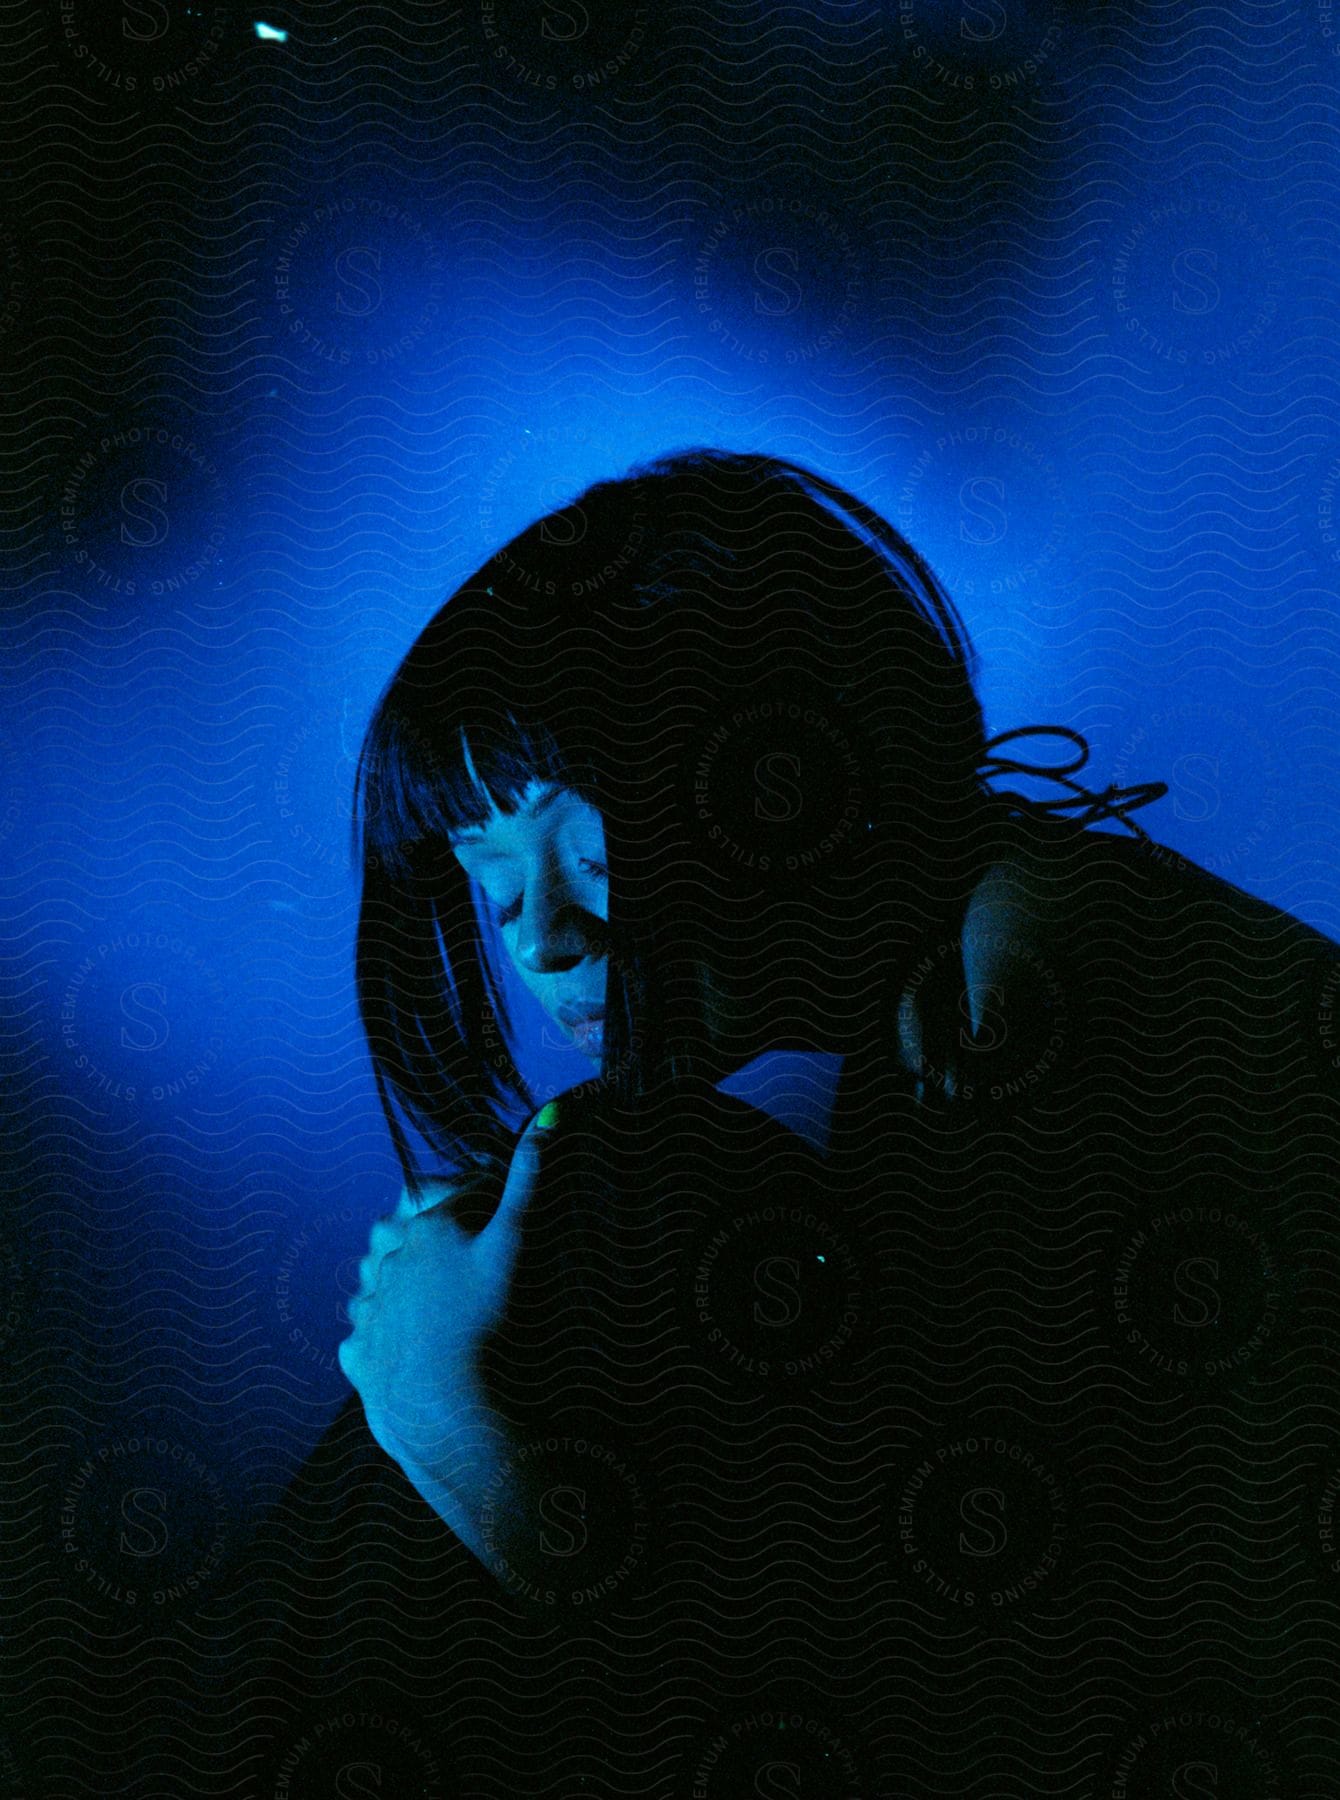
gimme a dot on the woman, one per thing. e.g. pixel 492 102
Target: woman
pixel 701 757
pixel 661 892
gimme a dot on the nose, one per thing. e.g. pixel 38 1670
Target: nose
pixel 554 931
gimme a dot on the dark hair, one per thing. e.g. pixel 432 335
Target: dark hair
pixel 609 646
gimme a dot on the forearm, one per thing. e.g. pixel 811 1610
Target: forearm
pixel 483 1485
pixel 458 1503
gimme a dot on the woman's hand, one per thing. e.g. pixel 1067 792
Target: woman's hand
pixel 432 1297
pixel 387 1233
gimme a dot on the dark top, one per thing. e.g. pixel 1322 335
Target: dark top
pixel 984 1454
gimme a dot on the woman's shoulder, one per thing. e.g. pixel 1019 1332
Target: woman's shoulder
pixel 1143 934
pixel 1074 880
pixel 694 1111
pixel 1084 960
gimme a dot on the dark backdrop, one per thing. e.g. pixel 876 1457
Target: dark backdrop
pixel 299 327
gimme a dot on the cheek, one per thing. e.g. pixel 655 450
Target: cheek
pixel 526 978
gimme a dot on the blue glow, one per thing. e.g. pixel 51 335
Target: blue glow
pixel 270 31
pixel 1167 589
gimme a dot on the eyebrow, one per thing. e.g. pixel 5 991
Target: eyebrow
pixel 470 834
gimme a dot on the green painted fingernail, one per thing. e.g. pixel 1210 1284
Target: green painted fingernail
pixel 547 1117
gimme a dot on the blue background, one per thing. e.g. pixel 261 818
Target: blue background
pixel 1057 295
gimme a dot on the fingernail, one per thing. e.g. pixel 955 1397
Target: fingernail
pixel 547 1117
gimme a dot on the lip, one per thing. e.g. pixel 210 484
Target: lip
pixel 579 1012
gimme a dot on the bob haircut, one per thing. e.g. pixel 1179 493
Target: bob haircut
pixel 617 646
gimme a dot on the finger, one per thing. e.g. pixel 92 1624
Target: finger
pixel 385 1238
pixel 434 1193
pixel 388 1233
pixel 503 1229
pixel 422 1237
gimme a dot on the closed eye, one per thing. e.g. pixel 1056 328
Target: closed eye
pixel 506 915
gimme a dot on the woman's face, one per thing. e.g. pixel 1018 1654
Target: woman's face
pixel 542 871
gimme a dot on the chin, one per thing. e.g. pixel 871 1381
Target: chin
pixel 588 1042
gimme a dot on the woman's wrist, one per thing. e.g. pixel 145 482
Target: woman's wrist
pixel 484 1486
pixel 463 1473
pixel 492 1492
